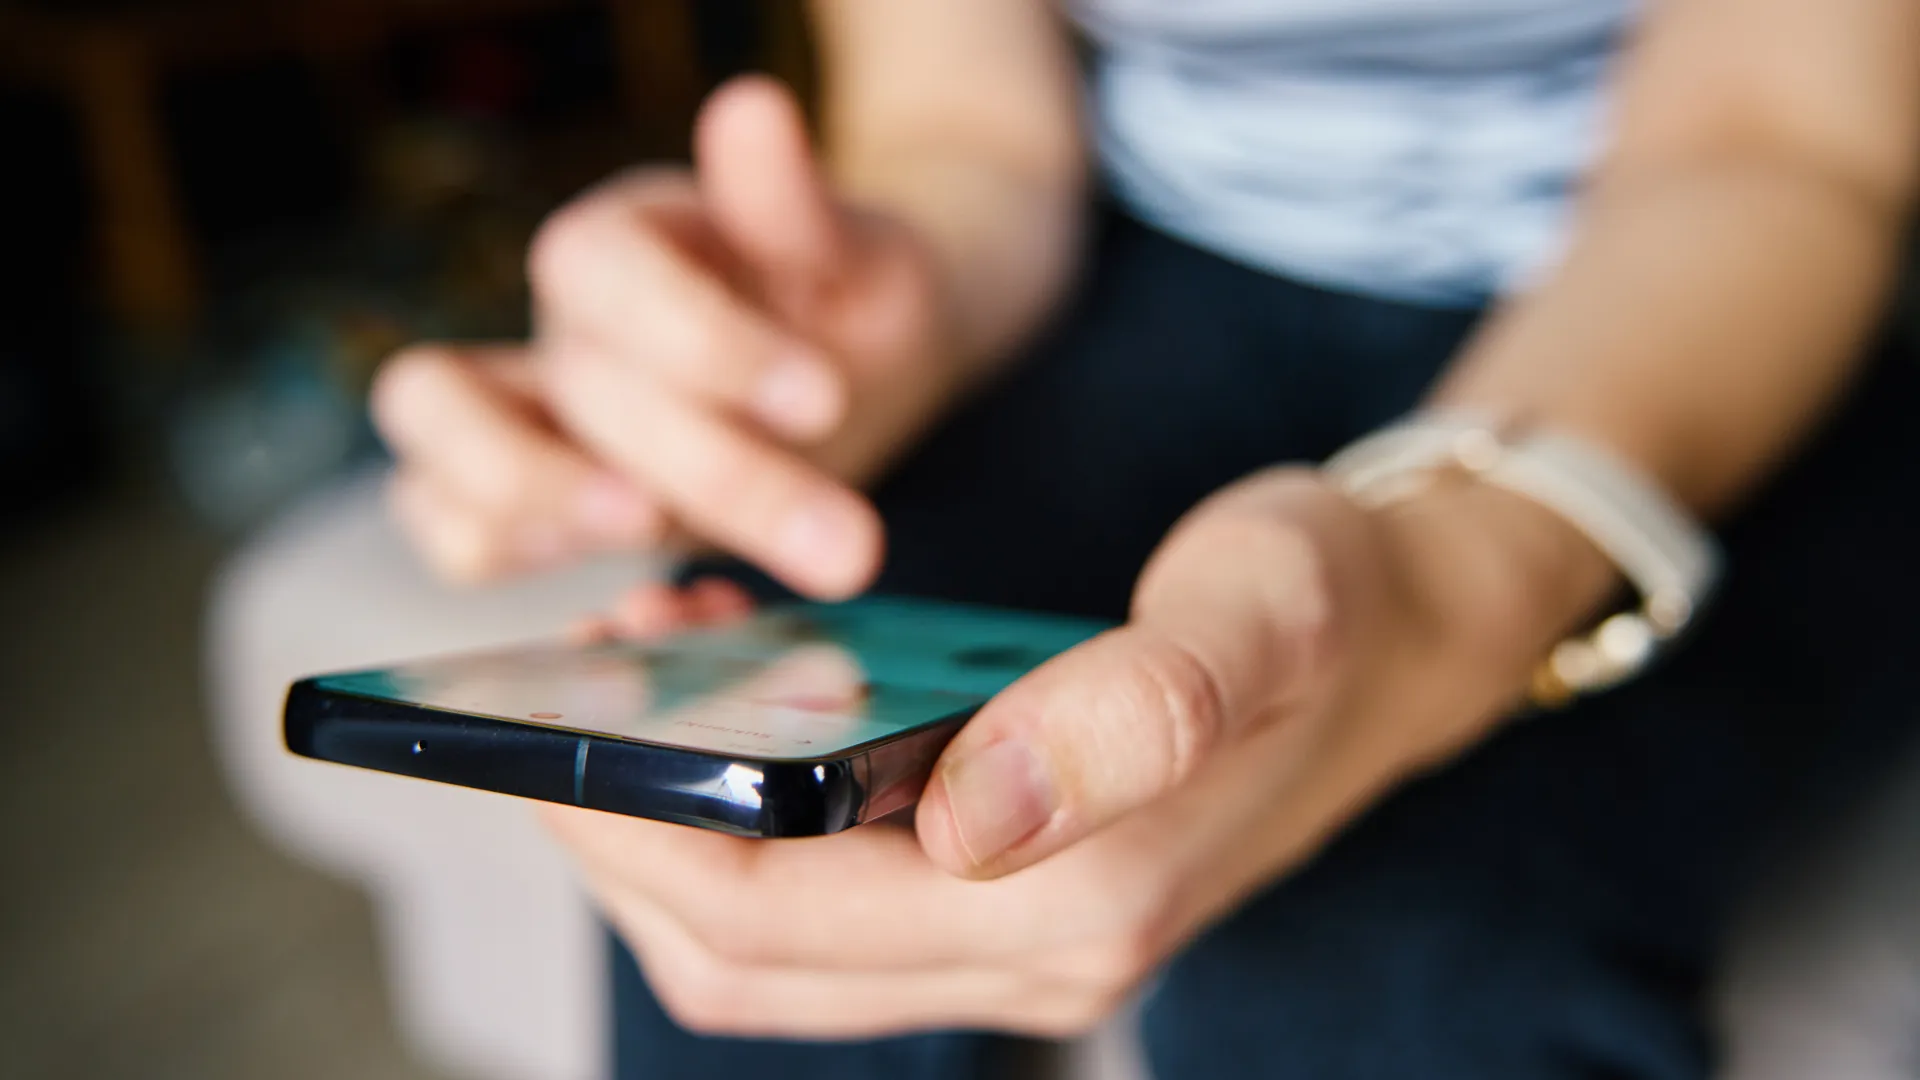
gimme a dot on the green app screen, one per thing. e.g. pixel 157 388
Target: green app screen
pixel 801 681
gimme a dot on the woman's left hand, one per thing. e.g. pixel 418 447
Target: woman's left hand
pixel 1289 658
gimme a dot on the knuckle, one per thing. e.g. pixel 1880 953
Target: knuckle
pixel 1130 957
pixel 700 340
pixel 1113 966
pixel 702 996
pixel 1290 608
pixel 676 316
pixel 720 934
pixel 1233 534
pixel 701 343
pixel 1299 586
pixel 1175 686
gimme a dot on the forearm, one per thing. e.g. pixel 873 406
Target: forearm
pixel 1007 239
pixel 960 118
pixel 1702 322
pixel 1706 316
pixel 1729 259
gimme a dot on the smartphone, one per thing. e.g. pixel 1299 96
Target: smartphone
pixel 803 720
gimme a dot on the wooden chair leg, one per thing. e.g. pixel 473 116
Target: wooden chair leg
pixel 152 283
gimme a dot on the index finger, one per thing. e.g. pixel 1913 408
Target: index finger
pixel 639 270
pixel 465 417
pixel 728 485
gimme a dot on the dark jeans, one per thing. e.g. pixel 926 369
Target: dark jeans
pixel 1549 905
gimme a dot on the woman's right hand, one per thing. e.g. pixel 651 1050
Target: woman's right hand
pixel 726 352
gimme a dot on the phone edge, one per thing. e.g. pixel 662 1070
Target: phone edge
pixel 792 798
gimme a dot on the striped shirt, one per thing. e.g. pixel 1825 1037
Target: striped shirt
pixel 1420 150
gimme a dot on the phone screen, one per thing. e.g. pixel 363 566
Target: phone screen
pixel 800 681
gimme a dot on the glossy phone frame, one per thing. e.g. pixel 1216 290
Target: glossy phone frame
pixel 745 796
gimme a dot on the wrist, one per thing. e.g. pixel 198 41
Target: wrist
pixel 1501 577
pixel 1003 242
pixel 1669 559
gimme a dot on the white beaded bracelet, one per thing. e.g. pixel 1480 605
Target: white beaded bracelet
pixel 1662 552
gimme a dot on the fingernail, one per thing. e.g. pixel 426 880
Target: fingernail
pixel 998 797
pixel 611 511
pixel 798 395
pixel 820 540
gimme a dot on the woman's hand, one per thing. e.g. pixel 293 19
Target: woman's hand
pixel 1290 657
pixel 727 351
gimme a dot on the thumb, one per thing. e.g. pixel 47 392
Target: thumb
pixel 1115 724
pixel 761 181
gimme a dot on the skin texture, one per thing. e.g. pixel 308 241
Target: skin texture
pixel 1290 657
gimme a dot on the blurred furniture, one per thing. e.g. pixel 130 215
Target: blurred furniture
pixel 493 956
pixel 111 62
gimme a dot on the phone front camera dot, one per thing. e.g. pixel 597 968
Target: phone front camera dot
pixel 420 747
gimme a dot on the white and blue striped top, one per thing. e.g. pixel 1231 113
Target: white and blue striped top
pixel 1421 150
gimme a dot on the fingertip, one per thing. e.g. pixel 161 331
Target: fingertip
pixel 754 99
pixel 649 611
pixel 402 382
pixel 757 168
pixel 716 601
pixel 833 549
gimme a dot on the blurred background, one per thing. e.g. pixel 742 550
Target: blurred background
pixel 219 215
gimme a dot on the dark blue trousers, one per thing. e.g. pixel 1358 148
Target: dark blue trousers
pixel 1550 905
